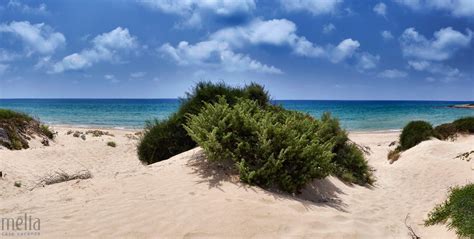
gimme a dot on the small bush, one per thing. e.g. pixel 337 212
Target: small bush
pixel 111 144
pixel 46 131
pixel 464 125
pixel 414 133
pixel 19 128
pixel 163 139
pixel 457 211
pixel 445 131
pixel 6 114
pixel 393 155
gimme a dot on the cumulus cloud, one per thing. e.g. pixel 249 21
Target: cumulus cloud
pixel 106 47
pixel 458 8
pixel 194 10
pixel 344 50
pixel 283 32
pixel 392 74
pixel 367 61
pixel 111 78
pixel 444 45
pixel 315 7
pixel 328 28
pixel 380 9
pixel 41 9
pixel 386 35
pixel 37 38
pixel 217 54
pixel 446 73
pixel 221 45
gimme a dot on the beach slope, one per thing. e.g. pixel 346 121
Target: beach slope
pixel 184 197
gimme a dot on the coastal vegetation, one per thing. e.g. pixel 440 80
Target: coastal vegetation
pixel 276 148
pixel 416 132
pixel 265 144
pixel 457 211
pixel 163 139
pixel 17 128
pixel 112 144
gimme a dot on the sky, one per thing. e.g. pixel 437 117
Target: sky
pixel 297 49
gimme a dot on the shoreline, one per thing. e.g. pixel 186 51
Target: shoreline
pixel 124 128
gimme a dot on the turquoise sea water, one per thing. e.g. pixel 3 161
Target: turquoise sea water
pixel 132 113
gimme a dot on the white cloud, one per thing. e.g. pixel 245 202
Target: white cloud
pixel 111 78
pixel 217 54
pixel 6 56
pixel 106 47
pixel 16 4
pixel 392 74
pixel 39 38
pixel 380 9
pixel 274 32
pixel 386 35
pixel 447 73
pixel 3 68
pixel 366 61
pixel 458 8
pixel 194 10
pixel 315 7
pixel 283 32
pixel 344 50
pixel 328 28
pixel 445 43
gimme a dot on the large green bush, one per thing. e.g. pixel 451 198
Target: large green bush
pixel 163 139
pixel 282 149
pixel 457 211
pixel 414 133
pixel 273 147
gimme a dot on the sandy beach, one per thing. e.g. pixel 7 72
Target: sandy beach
pixel 184 197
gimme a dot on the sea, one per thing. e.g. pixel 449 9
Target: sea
pixel 133 113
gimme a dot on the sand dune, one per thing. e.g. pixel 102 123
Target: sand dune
pixel 184 197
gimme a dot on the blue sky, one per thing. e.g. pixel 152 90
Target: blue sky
pixel 298 49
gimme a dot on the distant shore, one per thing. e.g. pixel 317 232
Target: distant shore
pixel 462 106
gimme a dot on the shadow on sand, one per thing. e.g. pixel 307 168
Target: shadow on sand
pixel 319 193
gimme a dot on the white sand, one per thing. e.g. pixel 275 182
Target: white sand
pixel 184 197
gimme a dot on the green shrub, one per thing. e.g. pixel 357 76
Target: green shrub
pixel 163 139
pixel 280 149
pixel 457 211
pixel 464 125
pixel 414 133
pixel 20 128
pixel 348 161
pixel 273 147
pixel 445 131
pixel 393 155
pixel 10 114
pixel 46 131
pixel 111 144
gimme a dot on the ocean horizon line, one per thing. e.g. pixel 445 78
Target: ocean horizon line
pixel 342 100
